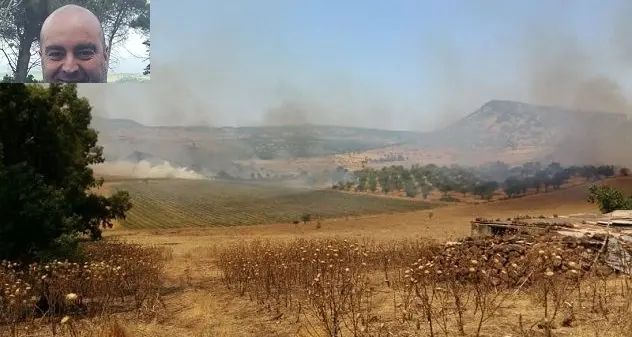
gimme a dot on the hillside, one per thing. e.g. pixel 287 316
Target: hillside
pixel 509 131
pixel 201 147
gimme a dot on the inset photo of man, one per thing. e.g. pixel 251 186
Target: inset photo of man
pixel 76 41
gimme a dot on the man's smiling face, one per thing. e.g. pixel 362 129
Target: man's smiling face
pixel 72 47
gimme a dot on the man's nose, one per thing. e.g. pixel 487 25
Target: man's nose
pixel 70 64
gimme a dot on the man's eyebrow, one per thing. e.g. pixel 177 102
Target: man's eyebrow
pixel 88 45
pixel 53 47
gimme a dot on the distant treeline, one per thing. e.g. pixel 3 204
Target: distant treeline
pixel 306 145
pixel 388 158
pixel 483 181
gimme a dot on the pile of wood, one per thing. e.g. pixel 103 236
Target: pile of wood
pixel 512 248
pixel 612 245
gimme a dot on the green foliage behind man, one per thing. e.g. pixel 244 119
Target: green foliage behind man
pixel 46 147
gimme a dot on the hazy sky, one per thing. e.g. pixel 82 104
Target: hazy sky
pixel 391 64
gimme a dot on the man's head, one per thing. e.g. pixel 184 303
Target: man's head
pixel 72 47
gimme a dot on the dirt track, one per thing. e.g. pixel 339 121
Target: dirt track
pixel 205 308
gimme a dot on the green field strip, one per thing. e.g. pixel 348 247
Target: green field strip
pixel 172 213
pixel 155 209
pixel 175 210
pixel 178 203
pixel 231 206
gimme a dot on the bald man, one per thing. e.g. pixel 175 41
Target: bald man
pixel 72 47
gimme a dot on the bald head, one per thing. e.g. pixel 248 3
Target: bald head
pixel 72 46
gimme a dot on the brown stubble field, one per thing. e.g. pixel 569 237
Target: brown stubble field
pixel 202 305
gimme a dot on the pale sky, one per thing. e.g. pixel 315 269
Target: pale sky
pixel 399 64
pixel 128 58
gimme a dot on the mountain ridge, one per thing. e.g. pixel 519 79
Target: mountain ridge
pixel 101 119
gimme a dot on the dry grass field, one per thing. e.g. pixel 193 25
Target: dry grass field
pixel 280 279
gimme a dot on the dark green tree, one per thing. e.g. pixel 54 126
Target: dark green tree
pixel 606 171
pixel 10 79
pixel 589 172
pixel 542 178
pixel 372 181
pixel 46 184
pixel 362 181
pixel 485 190
pixel 425 190
pixel 513 187
pixel 559 178
pixel 410 189
pixel 445 185
pixel 384 178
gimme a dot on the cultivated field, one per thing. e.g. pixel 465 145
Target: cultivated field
pixel 365 275
pixel 165 203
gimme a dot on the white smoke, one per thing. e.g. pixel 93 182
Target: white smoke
pixel 145 170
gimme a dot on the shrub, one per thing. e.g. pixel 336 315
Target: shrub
pixel 608 198
pixel 448 198
pixel 114 276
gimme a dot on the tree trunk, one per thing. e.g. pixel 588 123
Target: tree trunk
pixel 36 13
pixel 24 58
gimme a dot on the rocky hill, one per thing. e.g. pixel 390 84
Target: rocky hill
pixel 563 134
pixel 515 125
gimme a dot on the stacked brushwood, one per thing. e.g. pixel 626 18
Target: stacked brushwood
pixel 512 260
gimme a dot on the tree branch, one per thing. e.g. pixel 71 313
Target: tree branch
pixel 33 64
pixel 11 64
pixel 116 25
pixel 6 6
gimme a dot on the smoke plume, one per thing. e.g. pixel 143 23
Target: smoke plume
pixel 145 170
